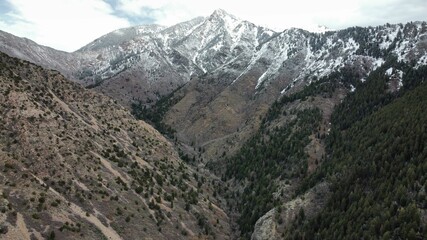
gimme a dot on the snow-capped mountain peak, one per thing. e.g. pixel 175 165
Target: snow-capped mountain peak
pixel 213 42
pixel 224 19
pixel 220 13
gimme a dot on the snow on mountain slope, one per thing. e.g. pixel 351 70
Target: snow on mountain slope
pixel 222 45
pixel 171 35
pixel 315 55
pixel 197 46
pixel 120 36
pixel 220 38
pixel 237 94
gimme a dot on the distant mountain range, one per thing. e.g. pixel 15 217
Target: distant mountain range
pixel 150 61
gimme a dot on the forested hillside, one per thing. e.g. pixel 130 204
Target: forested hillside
pixel 377 166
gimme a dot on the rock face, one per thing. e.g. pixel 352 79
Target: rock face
pixel 76 165
pixel 272 224
pixel 157 60
pixel 265 227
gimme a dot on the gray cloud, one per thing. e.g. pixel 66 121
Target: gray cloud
pixel 373 14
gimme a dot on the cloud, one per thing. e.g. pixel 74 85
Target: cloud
pixel 283 14
pixel 163 12
pixel 373 13
pixel 62 24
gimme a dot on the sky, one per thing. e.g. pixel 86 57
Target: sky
pixel 70 24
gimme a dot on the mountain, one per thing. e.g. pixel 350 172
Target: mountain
pixel 275 118
pixel 367 175
pixel 146 64
pixel 76 165
pixel 47 57
pixel 265 129
pixel 285 64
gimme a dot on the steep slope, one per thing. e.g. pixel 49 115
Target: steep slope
pixel 139 64
pixel 288 147
pixel 327 159
pixel 209 109
pixel 377 166
pixel 128 64
pixel 76 165
pixel 220 39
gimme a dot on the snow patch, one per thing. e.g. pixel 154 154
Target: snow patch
pixel 319 29
pixel 378 63
pixel 402 50
pixel 351 46
pixel 422 61
pixel 217 46
pixel 119 32
pixel 287 88
pixel 389 38
pixel 193 28
pixel 399 74
pixel 275 65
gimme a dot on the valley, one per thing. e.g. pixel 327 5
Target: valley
pixel 216 128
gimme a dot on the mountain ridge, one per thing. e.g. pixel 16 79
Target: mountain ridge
pixel 182 51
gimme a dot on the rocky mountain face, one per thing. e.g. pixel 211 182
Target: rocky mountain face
pixel 237 95
pixel 145 63
pixel 76 165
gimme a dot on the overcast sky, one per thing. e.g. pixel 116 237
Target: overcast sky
pixel 70 24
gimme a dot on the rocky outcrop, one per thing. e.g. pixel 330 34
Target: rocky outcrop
pixel 266 227
pixel 272 224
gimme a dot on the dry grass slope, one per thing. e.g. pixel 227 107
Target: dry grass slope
pixel 76 165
